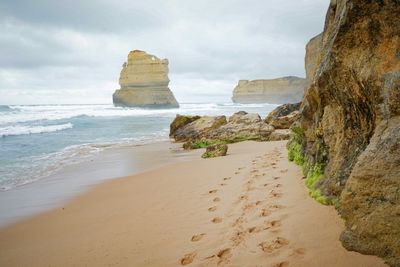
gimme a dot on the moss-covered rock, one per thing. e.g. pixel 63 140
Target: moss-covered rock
pixel 217 150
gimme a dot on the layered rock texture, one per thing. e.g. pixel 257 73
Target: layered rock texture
pixel 313 49
pixel 144 82
pixel 203 131
pixel 349 131
pixel 276 91
pixel 284 116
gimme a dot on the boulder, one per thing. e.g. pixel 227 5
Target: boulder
pixel 179 122
pixel 283 116
pixel 199 128
pixel 144 83
pixel 213 151
pixel 243 126
pixel 275 91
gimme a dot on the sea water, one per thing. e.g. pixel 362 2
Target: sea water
pixel 38 140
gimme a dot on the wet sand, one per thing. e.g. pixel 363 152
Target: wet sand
pixel 250 208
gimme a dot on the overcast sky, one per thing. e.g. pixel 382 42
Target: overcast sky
pixel 59 51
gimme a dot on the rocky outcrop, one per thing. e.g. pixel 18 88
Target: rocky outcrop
pixel 243 126
pixel 284 116
pixel 200 128
pixel 348 135
pixel 240 126
pixel 276 91
pixel 180 121
pixel 144 83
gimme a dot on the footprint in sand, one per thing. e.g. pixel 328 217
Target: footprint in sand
pixel 276 177
pixel 217 199
pixel 216 220
pixel 188 258
pixel 273 245
pixel 213 191
pixel 248 207
pixel 265 213
pixel 278 185
pixel 227 178
pixel 281 264
pixel 238 238
pixel 284 171
pixel 276 206
pixel 272 224
pixel 255 229
pixel 239 221
pixel 275 194
pixel 212 209
pixel 196 238
pixel 223 184
pixel 224 255
pixel 299 252
pixel 244 197
pixel 237 172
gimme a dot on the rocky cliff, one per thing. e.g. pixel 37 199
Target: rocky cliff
pixel 144 82
pixel 277 91
pixel 313 49
pixel 348 139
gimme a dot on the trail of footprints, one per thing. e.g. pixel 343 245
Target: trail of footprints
pixel 258 179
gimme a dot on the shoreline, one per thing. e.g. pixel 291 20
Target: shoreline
pixel 64 184
pixel 249 208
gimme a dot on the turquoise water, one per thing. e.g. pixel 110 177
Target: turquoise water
pixel 37 140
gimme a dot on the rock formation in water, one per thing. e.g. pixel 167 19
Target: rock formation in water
pixel 276 91
pixel 144 82
pixel 349 132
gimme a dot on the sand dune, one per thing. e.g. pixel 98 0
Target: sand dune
pixel 249 208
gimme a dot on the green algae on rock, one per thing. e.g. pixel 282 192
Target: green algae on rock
pixel 217 150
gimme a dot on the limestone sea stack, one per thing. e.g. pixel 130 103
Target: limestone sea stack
pixel 144 83
pixel 275 91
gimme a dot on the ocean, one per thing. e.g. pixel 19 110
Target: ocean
pixel 38 140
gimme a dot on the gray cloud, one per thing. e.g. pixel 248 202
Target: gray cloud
pixel 80 45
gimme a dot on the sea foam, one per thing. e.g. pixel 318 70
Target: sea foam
pixel 21 130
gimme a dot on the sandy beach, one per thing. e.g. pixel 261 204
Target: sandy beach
pixel 250 208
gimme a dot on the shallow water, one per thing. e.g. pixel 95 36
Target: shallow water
pixel 38 140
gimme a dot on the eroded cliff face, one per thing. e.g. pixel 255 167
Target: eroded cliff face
pixel 144 82
pixel 349 128
pixel 275 91
pixel 313 49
